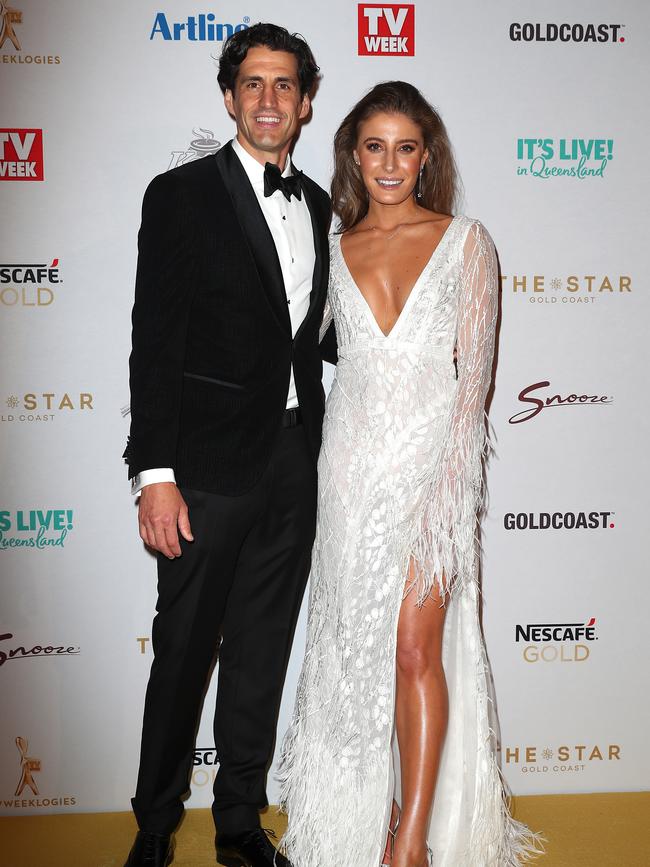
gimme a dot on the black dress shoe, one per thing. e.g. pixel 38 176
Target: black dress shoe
pixel 250 849
pixel 150 850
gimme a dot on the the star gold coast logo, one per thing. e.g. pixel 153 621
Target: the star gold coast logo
pixel 563 759
pixel 10 18
pixel 567 289
pixel 28 794
pixel 45 406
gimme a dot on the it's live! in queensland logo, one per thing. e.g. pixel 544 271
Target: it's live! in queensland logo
pixel 35 528
pixel 578 158
pixel 21 155
pixel 386 30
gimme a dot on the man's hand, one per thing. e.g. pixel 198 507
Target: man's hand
pixel 161 513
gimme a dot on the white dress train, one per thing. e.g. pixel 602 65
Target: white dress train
pixel 400 481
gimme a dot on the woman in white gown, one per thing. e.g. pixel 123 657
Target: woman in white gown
pixel 394 643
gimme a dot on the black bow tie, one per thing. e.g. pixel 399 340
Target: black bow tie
pixel 288 186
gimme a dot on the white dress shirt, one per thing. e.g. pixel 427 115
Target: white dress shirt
pixel 291 229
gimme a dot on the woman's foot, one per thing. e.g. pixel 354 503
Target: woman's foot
pixel 409 852
pixel 387 858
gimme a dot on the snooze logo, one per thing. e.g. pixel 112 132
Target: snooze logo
pixel 535 404
pixel 386 30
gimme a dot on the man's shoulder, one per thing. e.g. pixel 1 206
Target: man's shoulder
pixel 316 190
pixel 183 181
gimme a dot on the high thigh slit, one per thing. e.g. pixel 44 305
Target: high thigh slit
pixel 400 481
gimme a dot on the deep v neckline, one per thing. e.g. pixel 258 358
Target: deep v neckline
pixel 407 304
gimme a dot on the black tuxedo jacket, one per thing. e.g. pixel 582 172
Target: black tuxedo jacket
pixel 212 344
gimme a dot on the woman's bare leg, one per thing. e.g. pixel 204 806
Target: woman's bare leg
pixel 421 712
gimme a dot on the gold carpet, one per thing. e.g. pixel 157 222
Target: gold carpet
pixel 605 830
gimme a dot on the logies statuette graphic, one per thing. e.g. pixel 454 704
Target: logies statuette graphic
pixel 9 17
pixel 28 767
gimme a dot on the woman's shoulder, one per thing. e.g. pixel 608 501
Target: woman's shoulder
pixel 470 227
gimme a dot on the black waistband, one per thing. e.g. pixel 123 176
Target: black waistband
pixel 292 417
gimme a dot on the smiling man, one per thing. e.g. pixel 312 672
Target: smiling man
pixel 226 416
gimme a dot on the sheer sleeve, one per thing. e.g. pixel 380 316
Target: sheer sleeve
pixel 327 321
pixel 444 550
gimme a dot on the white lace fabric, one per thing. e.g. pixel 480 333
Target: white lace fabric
pixel 400 481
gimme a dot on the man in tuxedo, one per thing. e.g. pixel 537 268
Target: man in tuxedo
pixel 226 415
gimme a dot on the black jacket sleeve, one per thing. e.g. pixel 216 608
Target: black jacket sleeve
pixel 164 288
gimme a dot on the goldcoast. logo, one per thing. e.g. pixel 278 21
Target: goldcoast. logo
pixel 535 404
pixel 35 528
pixel 563 759
pixel 558 521
pixel 27 284
pixel 595 33
pixel 28 767
pixel 579 158
pixel 556 642
pixel 574 289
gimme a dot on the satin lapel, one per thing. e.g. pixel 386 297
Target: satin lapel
pixel 256 232
pixel 317 279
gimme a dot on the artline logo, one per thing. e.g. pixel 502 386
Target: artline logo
pixel 558 521
pixel 202 145
pixel 8 18
pixel 35 528
pixel 535 404
pixel 386 30
pixel 564 759
pixel 599 33
pixel 197 28
pixel 27 284
pixel 28 767
pixel 38 650
pixel 21 154
pixel 574 289
pixel 38 406
pixel 568 157
pixel 556 642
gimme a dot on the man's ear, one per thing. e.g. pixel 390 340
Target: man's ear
pixel 304 108
pixel 229 102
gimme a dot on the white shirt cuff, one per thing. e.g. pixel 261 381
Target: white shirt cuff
pixel 151 477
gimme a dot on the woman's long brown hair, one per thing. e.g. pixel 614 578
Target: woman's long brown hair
pixel 439 178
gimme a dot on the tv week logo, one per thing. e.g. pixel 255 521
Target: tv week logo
pixel 386 30
pixel 21 154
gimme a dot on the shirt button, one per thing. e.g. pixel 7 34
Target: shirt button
pixel 283 217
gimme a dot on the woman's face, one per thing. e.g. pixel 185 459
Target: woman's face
pixel 390 151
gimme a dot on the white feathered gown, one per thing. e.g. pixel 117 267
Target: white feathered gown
pixel 400 475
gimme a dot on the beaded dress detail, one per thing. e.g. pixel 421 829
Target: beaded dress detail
pixel 400 483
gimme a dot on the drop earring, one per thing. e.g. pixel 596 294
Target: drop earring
pixel 418 193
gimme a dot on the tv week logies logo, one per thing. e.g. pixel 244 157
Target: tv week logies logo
pixel 10 18
pixel 386 30
pixel 21 154
pixel 28 792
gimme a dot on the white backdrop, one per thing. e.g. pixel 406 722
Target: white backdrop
pixel 118 103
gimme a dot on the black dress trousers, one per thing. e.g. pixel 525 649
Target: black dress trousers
pixel 241 583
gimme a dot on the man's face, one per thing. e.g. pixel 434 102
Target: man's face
pixel 266 103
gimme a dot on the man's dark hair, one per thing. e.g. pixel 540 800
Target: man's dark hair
pixel 270 36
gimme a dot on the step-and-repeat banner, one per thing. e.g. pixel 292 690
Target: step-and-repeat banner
pixel 546 108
